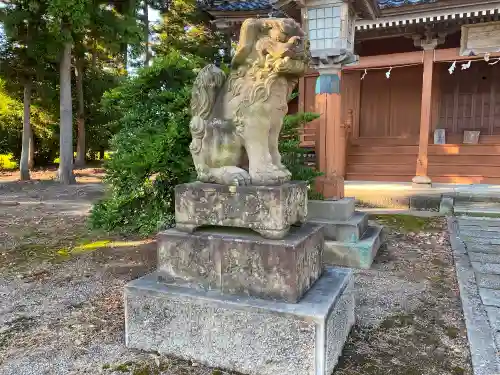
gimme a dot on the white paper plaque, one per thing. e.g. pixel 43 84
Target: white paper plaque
pixel 439 136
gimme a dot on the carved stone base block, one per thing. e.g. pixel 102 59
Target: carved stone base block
pixel 239 261
pixel 248 335
pixel 268 210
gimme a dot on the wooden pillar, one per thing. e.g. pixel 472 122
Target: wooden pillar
pixel 421 178
pixel 329 132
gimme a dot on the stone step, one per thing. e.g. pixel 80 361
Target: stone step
pixel 485 228
pixel 485 280
pixel 478 248
pixel 485 209
pixel 358 254
pixel 351 230
pixel 487 268
pixel 340 210
pixel 490 297
pixel 484 257
pixel 472 240
pixel 480 233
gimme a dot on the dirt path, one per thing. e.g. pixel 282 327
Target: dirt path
pixel 61 289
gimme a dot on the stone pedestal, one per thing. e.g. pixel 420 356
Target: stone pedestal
pixel 349 240
pixel 268 210
pixel 248 335
pixel 242 262
pixel 225 296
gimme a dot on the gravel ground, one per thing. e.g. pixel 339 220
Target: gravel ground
pixel 61 291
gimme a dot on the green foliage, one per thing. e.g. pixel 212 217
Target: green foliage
pixel 293 156
pixel 43 125
pixel 186 28
pixel 151 148
pixel 7 162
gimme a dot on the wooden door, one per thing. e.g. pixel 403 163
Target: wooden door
pixel 391 107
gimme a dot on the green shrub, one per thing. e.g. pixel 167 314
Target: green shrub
pixel 151 149
pixel 7 162
pixel 293 156
pixel 45 130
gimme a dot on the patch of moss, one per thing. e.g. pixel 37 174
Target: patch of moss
pixel 402 320
pixel 407 223
pixel 123 367
pixel 458 370
pixel 216 372
pixel 452 332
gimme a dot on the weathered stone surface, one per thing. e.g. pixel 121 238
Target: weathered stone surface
pixel 358 254
pixel 446 205
pixel 340 210
pixel 269 210
pixel 270 57
pixel 248 335
pixel 339 230
pixel 241 262
pixel 480 332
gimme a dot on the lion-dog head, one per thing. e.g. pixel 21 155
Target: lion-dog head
pixel 273 45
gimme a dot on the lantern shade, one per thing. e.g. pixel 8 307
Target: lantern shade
pixel 330 29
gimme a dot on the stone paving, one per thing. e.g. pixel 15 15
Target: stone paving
pixel 476 248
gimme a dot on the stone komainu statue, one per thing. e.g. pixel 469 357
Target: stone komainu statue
pixel 239 117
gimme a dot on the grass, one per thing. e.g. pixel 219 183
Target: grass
pixel 7 162
pixel 407 223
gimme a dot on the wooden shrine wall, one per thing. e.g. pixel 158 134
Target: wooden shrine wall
pixel 469 100
pixel 465 100
pixel 391 107
pixel 350 86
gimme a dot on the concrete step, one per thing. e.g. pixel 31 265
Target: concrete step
pixel 351 230
pixel 479 241
pixel 484 209
pixel 490 281
pixel 487 249
pixel 484 257
pixel 471 233
pixel 340 210
pixel 355 254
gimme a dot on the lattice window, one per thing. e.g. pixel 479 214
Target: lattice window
pixel 324 27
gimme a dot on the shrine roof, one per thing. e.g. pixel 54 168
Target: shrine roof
pixel 241 5
pixel 384 4
pixel 249 5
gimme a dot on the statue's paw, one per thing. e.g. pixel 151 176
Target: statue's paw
pixel 272 176
pixel 285 171
pixel 234 176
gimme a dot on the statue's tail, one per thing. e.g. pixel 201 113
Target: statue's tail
pixel 206 86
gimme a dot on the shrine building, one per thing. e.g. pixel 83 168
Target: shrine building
pixel 420 104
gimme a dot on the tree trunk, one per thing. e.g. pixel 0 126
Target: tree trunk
pixel 65 173
pixel 25 151
pixel 31 159
pixel 81 149
pixel 146 32
pixel 101 154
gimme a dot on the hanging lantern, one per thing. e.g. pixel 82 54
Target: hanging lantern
pixel 330 28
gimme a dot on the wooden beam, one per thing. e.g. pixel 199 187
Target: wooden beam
pixel 328 105
pixel 425 119
pixel 453 54
pixel 381 61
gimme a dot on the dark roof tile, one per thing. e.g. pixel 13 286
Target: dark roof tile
pixel 383 4
pixel 242 5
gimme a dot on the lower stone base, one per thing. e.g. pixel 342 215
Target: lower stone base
pixel 354 254
pixel 248 335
